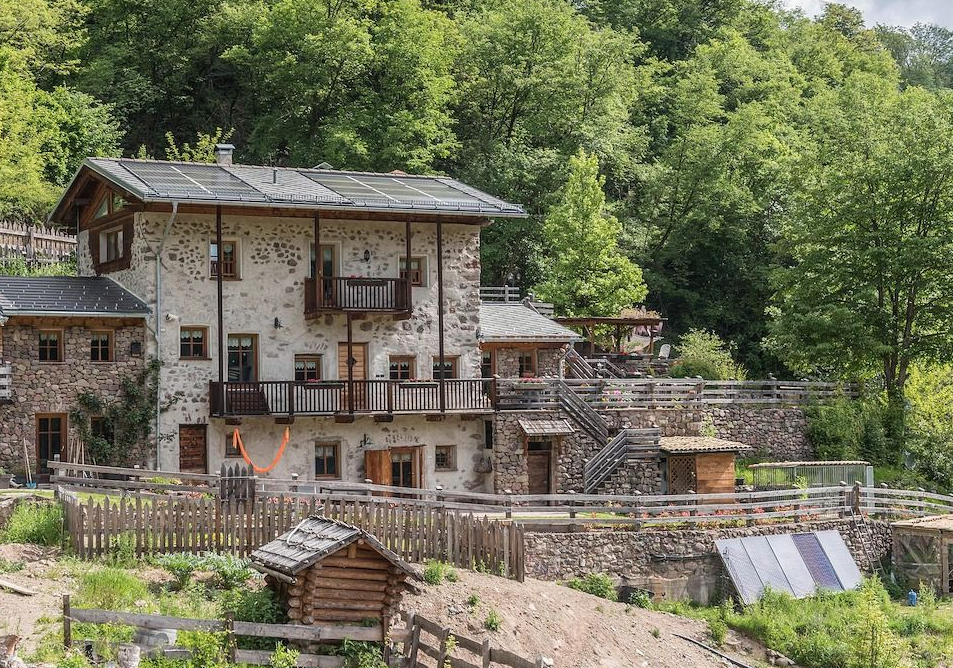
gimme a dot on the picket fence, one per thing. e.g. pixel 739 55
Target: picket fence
pixel 154 524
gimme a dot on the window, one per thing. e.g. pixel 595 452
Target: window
pixel 242 358
pixel 449 367
pixel 415 272
pixel 51 345
pixel 487 364
pixel 488 434
pixel 193 343
pixel 99 428
pixel 110 244
pixel 402 468
pixel 228 260
pixel 402 367
pixel 100 347
pixel 231 447
pixel 326 456
pixel 307 368
pixel 445 458
pixel 327 261
pixel 527 363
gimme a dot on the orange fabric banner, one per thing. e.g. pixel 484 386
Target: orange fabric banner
pixel 237 443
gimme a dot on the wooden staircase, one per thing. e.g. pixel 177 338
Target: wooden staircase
pixel 582 413
pixel 629 445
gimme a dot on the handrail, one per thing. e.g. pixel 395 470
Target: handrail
pixel 608 460
pixel 582 413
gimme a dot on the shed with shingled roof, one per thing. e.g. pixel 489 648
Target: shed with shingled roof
pixel 325 571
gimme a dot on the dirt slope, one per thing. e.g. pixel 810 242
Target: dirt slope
pixel 576 630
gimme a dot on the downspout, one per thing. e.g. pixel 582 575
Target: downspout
pixel 158 318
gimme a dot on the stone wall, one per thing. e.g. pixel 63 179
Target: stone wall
pixel 52 387
pixel 670 563
pixel 549 361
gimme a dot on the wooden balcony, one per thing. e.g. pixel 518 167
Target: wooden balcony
pixel 338 294
pixel 6 383
pixel 285 398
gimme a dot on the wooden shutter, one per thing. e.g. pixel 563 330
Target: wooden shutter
pixel 377 466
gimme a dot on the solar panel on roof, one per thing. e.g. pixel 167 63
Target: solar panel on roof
pixel 204 181
pixel 396 191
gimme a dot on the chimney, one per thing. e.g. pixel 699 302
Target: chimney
pixel 223 153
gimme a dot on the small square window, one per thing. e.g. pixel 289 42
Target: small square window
pixel 231 448
pixel 100 347
pixel 229 260
pixel 50 346
pixel 449 368
pixel 445 458
pixel 402 367
pixel 110 244
pixel 326 457
pixel 307 368
pixel 193 342
pixel 413 270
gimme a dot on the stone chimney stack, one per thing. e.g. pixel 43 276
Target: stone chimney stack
pixel 223 153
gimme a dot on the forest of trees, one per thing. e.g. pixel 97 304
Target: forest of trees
pixel 781 180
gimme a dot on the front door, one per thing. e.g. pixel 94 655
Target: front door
pixel 50 441
pixel 539 459
pixel 358 362
pixel 193 448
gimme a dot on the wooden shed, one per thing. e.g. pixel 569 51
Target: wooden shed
pixel 701 464
pixel 922 553
pixel 329 572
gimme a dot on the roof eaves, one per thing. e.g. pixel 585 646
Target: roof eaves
pixel 76 314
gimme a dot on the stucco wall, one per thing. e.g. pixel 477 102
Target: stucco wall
pixel 52 387
pixel 275 260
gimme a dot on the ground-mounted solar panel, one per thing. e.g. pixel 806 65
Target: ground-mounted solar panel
pixel 799 578
pixel 817 562
pixel 840 557
pixel 740 568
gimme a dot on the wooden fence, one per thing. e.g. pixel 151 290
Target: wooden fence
pixel 154 524
pixel 35 244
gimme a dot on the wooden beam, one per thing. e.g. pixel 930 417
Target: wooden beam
pixel 220 299
pixel 440 341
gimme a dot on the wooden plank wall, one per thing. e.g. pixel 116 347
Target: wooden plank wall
pixel 153 524
pixel 715 472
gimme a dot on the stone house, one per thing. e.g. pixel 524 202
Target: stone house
pixel 516 341
pixel 61 336
pixel 342 306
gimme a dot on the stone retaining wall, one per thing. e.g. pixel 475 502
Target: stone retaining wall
pixel 671 563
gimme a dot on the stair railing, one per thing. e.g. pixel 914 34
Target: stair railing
pixel 584 414
pixel 628 444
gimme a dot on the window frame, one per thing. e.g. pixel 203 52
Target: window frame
pixel 418 281
pixel 99 429
pixel 236 273
pixel 255 350
pixel 336 446
pixel 205 347
pixel 60 356
pixel 305 358
pixel 110 345
pixel 411 361
pixel 452 360
pixel 114 233
pixel 530 353
pixel 451 464
pixel 231 452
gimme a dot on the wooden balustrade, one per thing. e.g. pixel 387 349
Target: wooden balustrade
pixel 6 382
pixel 357 294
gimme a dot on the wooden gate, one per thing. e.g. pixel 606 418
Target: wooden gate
pixel 681 474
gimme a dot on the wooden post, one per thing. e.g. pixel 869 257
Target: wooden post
pixel 410 289
pixel 855 502
pixel 442 656
pixel 440 340
pixel 67 623
pixel 485 653
pixel 230 645
pixel 350 365
pixel 221 299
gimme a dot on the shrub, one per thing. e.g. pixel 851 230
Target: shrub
pixel 230 571
pixel 362 654
pixel 7 566
pixel 473 601
pixel 73 659
pixel 248 605
pixel 284 657
pixel 717 630
pixel 640 599
pixel 208 649
pixel 179 565
pixel 493 621
pixel 597 584
pixel 122 550
pixel 705 354
pixel 849 429
pixel 36 523
pixel 110 589
pixel 435 572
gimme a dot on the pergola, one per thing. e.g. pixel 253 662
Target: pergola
pixel 622 325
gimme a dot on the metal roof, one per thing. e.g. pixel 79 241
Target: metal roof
pixel 691 444
pixel 67 295
pixel 797 564
pixel 312 540
pixel 546 427
pixel 516 322
pixel 794 465
pixel 253 185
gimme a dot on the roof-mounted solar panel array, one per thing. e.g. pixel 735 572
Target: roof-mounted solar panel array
pixel 796 564
pixel 153 180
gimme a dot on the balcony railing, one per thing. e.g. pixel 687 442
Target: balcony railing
pixel 6 383
pixel 331 397
pixel 338 293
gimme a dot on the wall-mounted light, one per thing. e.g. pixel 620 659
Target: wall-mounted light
pixel 366 441
pixel 278 324
pixel 367 256
pixel 171 317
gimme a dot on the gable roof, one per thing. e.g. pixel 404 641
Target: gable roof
pixel 692 444
pixel 516 322
pixel 312 540
pixel 67 295
pixel 290 187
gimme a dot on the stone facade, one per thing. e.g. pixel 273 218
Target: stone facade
pixel 43 388
pixel 549 360
pixel 670 563
pixel 274 261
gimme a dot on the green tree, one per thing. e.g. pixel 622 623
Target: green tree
pixel 868 287
pixel 586 274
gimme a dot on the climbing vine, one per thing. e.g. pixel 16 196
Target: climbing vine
pixel 125 423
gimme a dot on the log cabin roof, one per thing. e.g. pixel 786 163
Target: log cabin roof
pixel 312 540
pixel 163 181
pixel 67 296
pixel 678 445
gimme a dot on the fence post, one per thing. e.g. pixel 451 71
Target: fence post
pixel 67 623
pixel 572 505
pixel 845 499
pixel 485 653
pixel 230 645
pixel 442 656
pixel 856 500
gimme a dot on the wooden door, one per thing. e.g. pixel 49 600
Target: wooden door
pixel 715 473
pixel 50 442
pixel 539 469
pixel 377 467
pixel 193 448
pixel 359 364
